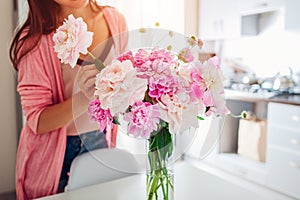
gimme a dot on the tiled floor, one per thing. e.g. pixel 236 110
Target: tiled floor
pixel 8 196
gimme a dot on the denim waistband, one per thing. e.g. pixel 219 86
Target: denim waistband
pixel 87 141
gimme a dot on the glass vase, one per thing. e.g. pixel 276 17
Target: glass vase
pixel 160 175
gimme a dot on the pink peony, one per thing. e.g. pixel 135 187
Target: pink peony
pixel 162 85
pixel 162 55
pixel 160 67
pixel 126 56
pixel 207 85
pixel 99 115
pixel 157 62
pixel 214 95
pixel 71 39
pixel 179 111
pixel 198 86
pixel 117 87
pixel 145 71
pixel 143 119
pixel 140 57
pixel 153 69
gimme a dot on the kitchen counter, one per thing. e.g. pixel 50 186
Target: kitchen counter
pixel 262 97
pixel 287 99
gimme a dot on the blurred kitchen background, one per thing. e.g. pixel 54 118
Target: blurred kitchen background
pixel 258 42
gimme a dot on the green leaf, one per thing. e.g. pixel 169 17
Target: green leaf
pixel 147 98
pixel 200 118
pixel 161 143
pixel 116 120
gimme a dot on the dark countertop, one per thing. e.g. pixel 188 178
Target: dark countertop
pixel 291 99
pixel 286 98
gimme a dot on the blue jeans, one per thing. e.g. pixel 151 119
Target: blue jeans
pixel 77 145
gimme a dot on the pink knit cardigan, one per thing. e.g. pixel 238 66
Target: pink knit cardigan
pixel 40 156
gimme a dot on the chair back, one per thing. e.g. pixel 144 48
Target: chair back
pixel 100 166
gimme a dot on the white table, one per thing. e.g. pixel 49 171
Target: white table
pixel 191 183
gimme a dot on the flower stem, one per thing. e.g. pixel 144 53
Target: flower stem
pixel 90 54
pixel 153 188
pixel 98 63
pixel 158 179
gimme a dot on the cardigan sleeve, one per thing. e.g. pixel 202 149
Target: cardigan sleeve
pixel 34 87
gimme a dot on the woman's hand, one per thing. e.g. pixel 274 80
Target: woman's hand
pixel 86 80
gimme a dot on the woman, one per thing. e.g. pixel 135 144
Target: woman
pixel 49 140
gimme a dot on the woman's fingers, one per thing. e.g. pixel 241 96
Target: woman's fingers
pixel 86 80
pixel 87 72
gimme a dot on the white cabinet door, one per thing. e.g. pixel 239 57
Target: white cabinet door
pixel 292 15
pixel 246 5
pixel 283 115
pixel 260 15
pixel 283 149
pixel 284 138
pixel 284 171
pixel 256 6
pixel 218 19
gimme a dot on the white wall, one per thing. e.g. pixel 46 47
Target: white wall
pixel 8 122
pixel 268 53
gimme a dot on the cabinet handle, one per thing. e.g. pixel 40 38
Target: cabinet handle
pixel 295 142
pixel 294 165
pixel 296 118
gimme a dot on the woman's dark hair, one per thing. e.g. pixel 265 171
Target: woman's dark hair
pixel 42 19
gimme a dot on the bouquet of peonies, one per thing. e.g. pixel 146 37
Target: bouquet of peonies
pixel 158 93
pixel 155 87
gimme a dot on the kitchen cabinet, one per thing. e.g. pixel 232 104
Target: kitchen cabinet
pixel 218 19
pixel 258 16
pixel 246 7
pixel 292 15
pixel 283 148
pixel 281 170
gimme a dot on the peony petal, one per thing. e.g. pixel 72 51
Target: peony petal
pixel 208 99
